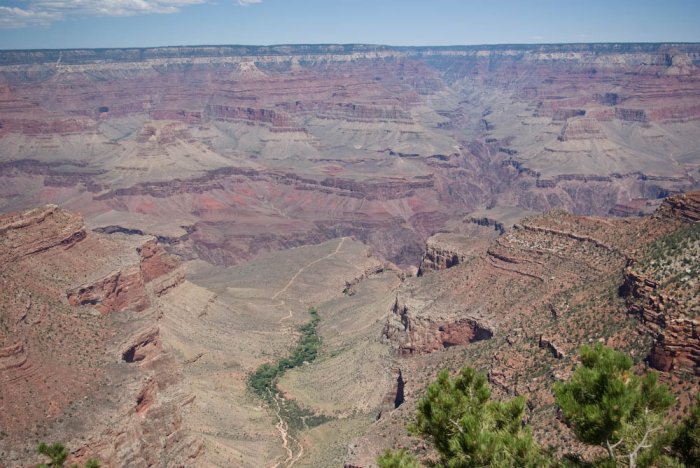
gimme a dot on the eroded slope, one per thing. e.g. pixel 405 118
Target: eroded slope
pixel 203 146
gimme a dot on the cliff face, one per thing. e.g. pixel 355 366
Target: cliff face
pixel 58 377
pixel 38 230
pixel 519 310
pixel 440 255
pixel 126 289
pixel 684 206
pixel 411 333
pixel 116 292
pixel 314 142
pixel 662 288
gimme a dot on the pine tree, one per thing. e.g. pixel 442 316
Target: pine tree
pixel 686 444
pixel 56 452
pixel 399 459
pixel 607 405
pixel 468 429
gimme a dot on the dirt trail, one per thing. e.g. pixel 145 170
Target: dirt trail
pixel 287 439
pixel 283 429
pixel 290 314
pixel 301 270
pixel 282 425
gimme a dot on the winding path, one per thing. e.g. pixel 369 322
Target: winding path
pixel 282 425
pixel 293 278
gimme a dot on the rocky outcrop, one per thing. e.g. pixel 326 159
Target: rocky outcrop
pixel 653 294
pixel 644 299
pixel 154 261
pixel 550 345
pixel 146 397
pixel 370 272
pixel 443 251
pixel 154 427
pixel 127 289
pixel 685 207
pixel 636 207
pixel 438 258
pixel 395 397
pixel 677 345
pixel 34 231
pixel 116 292
pixel 410 333
pixel 143 348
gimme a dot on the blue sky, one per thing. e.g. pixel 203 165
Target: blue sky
pixel 132 23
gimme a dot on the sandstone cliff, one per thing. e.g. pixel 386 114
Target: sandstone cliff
pixel 662 287
pixel 59 372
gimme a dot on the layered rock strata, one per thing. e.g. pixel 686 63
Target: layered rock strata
pixel 64 361
pixel 314 142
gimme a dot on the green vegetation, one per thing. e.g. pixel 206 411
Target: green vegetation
pixel 468 429
pixel 263 380
pixel 674 259
pixel 399 459
pixel 686 440
pixel 604 403
pixel 58 454
pixel 607 405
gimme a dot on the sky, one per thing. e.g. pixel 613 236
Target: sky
pixel 27 24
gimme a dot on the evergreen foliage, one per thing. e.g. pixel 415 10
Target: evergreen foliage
pixel 56 452
pixel 399 459
pixel 604 402
pixel 468 429
pixel 686 444
pixel 607 405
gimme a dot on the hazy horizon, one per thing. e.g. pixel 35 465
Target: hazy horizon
pixel 391 46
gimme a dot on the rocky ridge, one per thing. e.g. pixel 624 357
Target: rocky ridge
pixel 60 347
pixel 520 309
pixel 662 288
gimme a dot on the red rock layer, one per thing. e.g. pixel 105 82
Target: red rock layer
pixel 58 378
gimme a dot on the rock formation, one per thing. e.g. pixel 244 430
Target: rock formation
pixel 58 377
pixel 295 176
pixel 315 142
pixel 519 309
pixel 662 288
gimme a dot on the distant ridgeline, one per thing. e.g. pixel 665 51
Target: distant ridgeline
pixel 516 51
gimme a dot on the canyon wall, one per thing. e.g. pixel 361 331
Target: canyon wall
pixel 202 146
pixel 76 364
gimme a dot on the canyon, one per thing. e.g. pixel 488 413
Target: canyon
pixel 200 146
pixel 169 215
